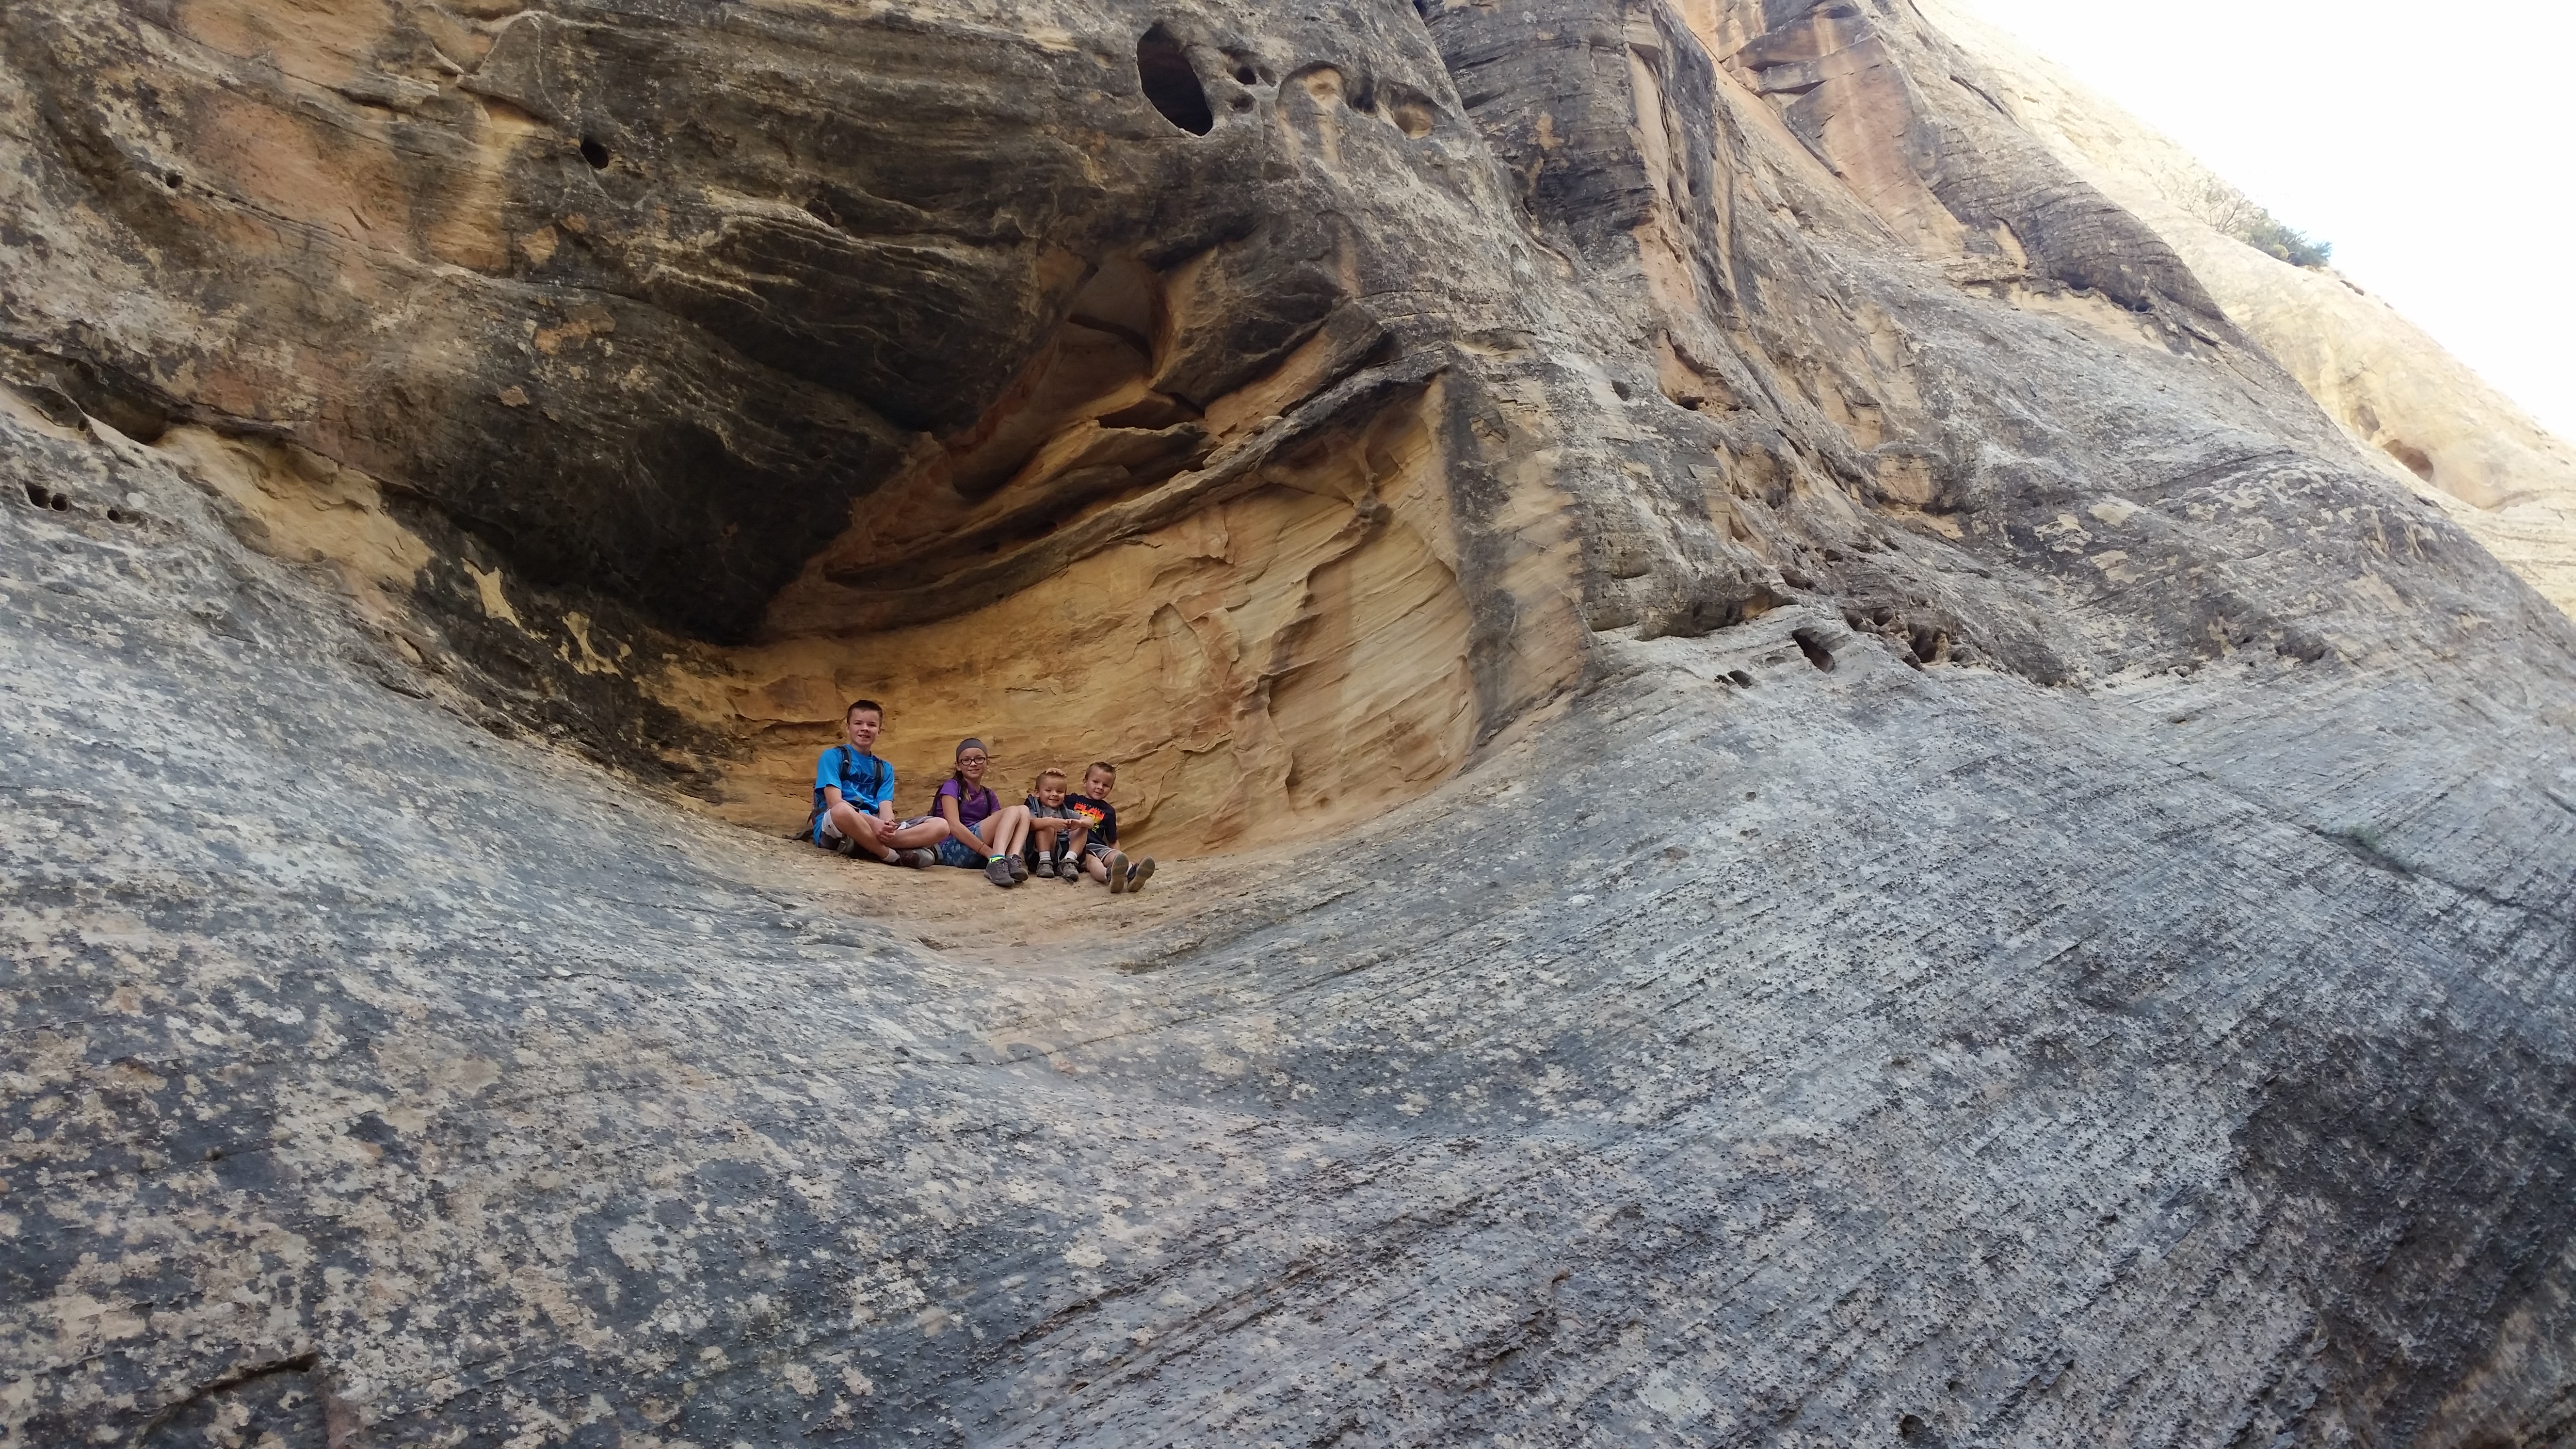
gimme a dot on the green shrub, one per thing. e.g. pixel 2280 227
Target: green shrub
pixel 2231 211
pixel 2267 235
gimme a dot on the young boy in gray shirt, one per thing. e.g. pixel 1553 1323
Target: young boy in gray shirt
pixel 1051 829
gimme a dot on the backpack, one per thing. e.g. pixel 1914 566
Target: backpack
pixel 876 782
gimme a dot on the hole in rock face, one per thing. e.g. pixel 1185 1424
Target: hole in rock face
pixel 594 153
pixel 1245 75
pixel 61 503
pixel 1171 83
pixel 116 515
pixel 1423 9
pixel 1745 680
pixel 1815 650
pixel 36 495
pixel 170 179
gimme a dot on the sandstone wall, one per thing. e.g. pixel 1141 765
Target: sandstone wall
pixel 687 339
pixel 2393 389
pixel 708 401
pixel 1861 823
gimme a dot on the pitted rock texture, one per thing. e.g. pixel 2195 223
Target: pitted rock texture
pixel 1864 826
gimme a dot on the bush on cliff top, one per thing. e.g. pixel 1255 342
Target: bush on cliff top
pixel 2231 211
pixel 2268 236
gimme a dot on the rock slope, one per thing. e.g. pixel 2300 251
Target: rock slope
pixel 1869 827
pixel 2507 480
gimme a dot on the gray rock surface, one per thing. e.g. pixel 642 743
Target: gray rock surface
pixel 2013 890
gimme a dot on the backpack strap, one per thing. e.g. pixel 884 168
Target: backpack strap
pixel 814 817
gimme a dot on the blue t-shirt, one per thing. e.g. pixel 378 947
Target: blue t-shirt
pixel 864 780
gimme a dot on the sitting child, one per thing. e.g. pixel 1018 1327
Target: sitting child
pixel 1095 840
pixel 981 830
pixel 1051 827
pixel 854 797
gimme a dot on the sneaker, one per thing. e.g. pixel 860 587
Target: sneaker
pixel 1138 874
pixel 998 871
pixel 918 858
pixel 1019 868
pixel 1117 864
pixel 1069 870
pixel 1046 867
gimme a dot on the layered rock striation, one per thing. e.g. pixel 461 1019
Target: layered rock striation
pixel 1864 824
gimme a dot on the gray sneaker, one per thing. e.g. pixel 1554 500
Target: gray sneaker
pixel 998 871
pixel 1019 868
pixel 1117 863
pixel 1046 867
pixel 917 858
pixel 1139 873
pixel 1069 869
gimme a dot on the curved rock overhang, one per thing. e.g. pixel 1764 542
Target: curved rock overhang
pixel 721 368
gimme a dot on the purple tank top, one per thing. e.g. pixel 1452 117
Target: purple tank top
pixel 973 806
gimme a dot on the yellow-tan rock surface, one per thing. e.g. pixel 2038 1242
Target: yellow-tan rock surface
pixel 1277 664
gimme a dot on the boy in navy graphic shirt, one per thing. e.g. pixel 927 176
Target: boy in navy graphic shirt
pixel 1095 835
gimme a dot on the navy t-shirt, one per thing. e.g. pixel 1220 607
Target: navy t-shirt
pixel 1106 814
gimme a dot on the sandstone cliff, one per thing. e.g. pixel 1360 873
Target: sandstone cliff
pixel 2503 477
pixel 1860 822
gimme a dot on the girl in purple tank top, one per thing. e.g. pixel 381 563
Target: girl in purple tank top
pixel 982 831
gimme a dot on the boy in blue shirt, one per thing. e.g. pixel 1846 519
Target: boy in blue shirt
pixel 854 798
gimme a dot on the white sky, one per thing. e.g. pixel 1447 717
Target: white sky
pixel 2434 146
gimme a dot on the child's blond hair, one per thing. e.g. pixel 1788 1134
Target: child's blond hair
pixel 1049 773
